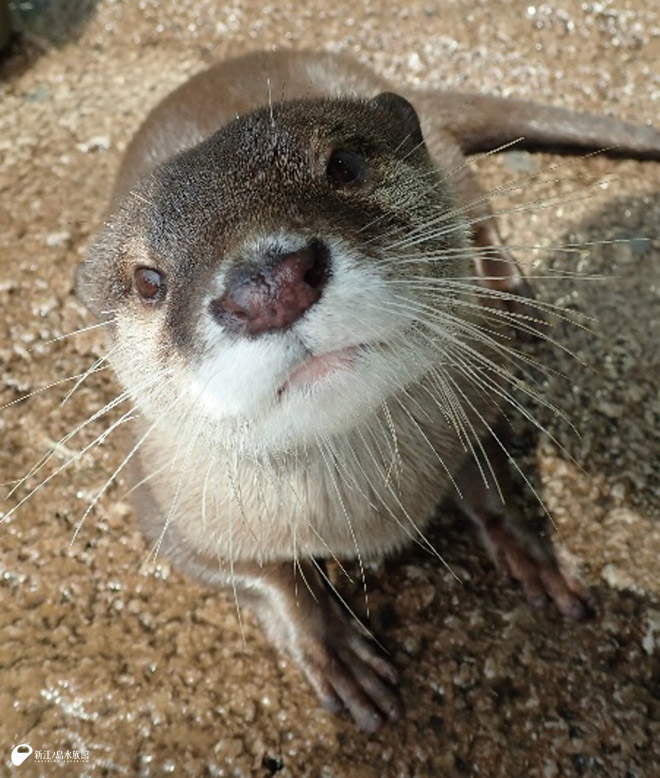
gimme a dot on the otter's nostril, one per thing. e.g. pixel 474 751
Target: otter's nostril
pixel 318 272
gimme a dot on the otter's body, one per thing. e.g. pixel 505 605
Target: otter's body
pixel 309 304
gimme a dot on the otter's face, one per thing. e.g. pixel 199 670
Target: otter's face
pixel 266 283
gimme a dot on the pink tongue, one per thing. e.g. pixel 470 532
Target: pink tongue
pixel 316 367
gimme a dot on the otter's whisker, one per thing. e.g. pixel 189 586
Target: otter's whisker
pixel 62 442
pixel 346 605
pixel 52 385
pixel 128 416
pixel 91 370
pixel 442 325
pixel 425 438
pixel 417 536
pixel 110 480
pixel 66 335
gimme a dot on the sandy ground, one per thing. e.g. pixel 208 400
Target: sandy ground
pixel 150 674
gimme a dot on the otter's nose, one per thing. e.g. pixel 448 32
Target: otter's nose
pixel 275 296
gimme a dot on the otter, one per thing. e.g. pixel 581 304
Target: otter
pixel 310 307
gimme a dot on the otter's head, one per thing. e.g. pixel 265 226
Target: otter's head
pixel 268 280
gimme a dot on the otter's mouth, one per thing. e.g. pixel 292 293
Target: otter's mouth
pixel 319 366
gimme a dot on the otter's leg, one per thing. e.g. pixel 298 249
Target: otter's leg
pixel 499 270
pixel 494 265
pixel 516 549
pixel 301 617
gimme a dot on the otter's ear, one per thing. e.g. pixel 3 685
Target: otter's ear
pixel 403 113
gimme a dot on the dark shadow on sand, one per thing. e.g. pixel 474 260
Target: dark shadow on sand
pixel 37 26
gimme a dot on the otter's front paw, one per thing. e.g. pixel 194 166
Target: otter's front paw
pixel 533 563
pixel 347 671
pixel 516 549
pixel 344 667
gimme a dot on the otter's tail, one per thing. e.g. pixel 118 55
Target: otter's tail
pixel 482 123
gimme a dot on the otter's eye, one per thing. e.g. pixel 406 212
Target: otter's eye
pixel 346 168
pixel 149 283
